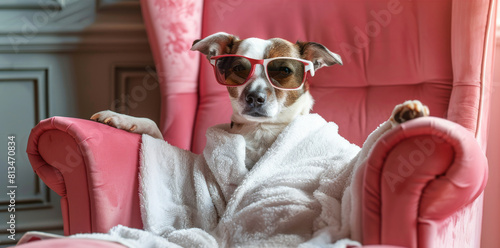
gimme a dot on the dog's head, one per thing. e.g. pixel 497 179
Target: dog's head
pixel 255 98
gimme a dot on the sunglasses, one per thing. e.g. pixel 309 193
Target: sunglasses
pixel 282 72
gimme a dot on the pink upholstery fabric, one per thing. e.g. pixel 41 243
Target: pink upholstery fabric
pixel 473 28
pixel 93 167
pixel 172 28
pixel 431 168
pixel 73 243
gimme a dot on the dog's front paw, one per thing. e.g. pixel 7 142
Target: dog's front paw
pixel 128 123
pixel 114 119
pixel 408 110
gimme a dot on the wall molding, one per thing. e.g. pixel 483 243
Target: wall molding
pixel 72 26
pixel 32 4
pixel 135 88
pixel 105 37
pixel 37 207
pixel 118 4
pixel 38 78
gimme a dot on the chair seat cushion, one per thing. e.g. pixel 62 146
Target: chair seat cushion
pixel 70 242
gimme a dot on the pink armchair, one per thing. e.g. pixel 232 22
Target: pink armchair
pixel 423 182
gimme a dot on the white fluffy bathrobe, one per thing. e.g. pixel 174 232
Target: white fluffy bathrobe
pixel 301 193
pixel 297 188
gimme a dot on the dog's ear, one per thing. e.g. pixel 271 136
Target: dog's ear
pixel 215 44
pixel 318 54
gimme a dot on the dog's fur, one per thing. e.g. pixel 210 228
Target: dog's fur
pixel 260 111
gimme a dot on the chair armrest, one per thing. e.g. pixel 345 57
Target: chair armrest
pixel 420 177
pixel 93 167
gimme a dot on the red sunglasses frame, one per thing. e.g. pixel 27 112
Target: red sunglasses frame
pixel 308 67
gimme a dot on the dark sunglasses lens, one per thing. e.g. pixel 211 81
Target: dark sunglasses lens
pixel 232 70
pixel 286 73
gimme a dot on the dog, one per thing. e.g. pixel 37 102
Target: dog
pixel 267 82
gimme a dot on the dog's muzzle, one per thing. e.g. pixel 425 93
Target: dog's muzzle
pixel 256 99
pixel 255 104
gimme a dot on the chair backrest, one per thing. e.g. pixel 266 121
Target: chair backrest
pixel 439 52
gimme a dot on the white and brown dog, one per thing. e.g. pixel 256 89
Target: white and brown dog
pixel 267 85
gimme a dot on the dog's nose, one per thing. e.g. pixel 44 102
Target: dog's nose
pixel 256 99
